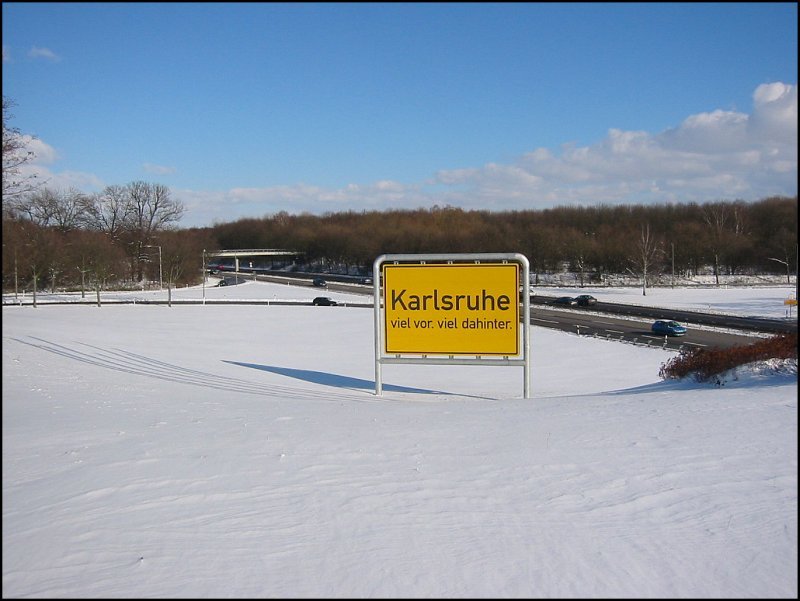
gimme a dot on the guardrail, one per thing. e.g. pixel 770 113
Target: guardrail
pixel 141 301
pixel 760 324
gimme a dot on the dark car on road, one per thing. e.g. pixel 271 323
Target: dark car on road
pixel 319 282
pixel 586 300
pixel 668 328
pixel 324 301
pixel 565 300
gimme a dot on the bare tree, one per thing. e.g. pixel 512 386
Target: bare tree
pixel 183 254
pixel 726 232
pixel 95 254
pixel 648 252
pixel 37 254
pixel 15 155
pixel 37 207
pixel 108 211
pixel 62 210
pixel 151 209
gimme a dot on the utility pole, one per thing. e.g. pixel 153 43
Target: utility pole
pixel 788 277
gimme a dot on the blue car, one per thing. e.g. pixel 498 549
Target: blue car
pixel 668 328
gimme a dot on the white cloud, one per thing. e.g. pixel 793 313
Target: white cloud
pixel 708 156
pixel 205 207
pixel 44 153
pixel 719 154
pixel 40 167
pixel 44 53
pixel 6 54
pixel 774 118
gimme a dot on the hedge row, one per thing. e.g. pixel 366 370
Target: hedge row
pixel 705 364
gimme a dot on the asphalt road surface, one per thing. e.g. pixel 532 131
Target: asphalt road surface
pixel 637 330
pixel 625 323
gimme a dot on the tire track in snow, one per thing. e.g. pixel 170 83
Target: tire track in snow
pixel 132 363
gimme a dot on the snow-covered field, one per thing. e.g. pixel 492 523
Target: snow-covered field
pixel 240 451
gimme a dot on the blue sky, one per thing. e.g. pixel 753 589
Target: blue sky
pixel 244 110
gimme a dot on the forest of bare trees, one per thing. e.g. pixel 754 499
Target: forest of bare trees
pixel 725 237
pixel 58 239
pixel 128 234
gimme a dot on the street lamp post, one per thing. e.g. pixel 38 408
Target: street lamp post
pixel 160 271
pixel 788 278
pixel 204 276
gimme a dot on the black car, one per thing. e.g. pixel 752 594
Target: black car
pixel 319 282
pixel 565 300
pixel 324 301
pixel 586 300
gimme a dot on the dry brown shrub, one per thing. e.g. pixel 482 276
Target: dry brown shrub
pixel 705 364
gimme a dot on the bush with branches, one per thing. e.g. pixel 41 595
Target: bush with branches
pixel 709 364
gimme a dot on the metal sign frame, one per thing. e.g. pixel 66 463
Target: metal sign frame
pixel 444 358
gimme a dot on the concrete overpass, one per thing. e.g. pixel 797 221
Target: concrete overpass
pixel 249 259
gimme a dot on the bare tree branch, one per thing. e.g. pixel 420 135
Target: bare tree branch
pixel 15 155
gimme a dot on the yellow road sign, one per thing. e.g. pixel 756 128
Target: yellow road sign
pixel 451 309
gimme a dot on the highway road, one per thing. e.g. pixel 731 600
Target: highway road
pixel 625 323
pixel 598 324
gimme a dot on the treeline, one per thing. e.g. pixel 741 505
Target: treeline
pixel 129 234
pixel 121 236
pixel 727 237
